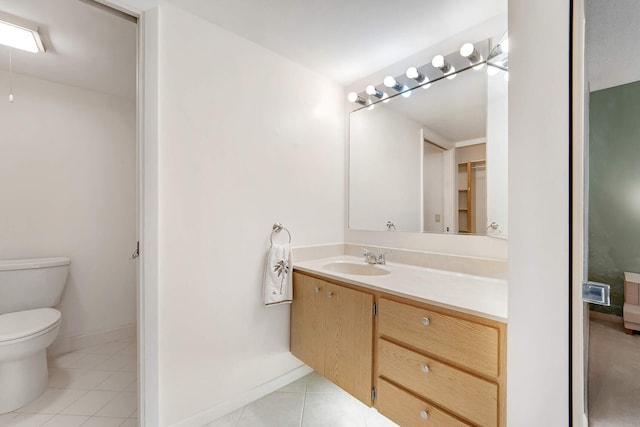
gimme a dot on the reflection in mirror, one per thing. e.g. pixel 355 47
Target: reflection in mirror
pixel 420 163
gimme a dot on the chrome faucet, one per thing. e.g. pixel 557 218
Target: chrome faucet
pixel 372 258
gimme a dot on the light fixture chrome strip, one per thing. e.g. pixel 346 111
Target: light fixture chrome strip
pixel 426 74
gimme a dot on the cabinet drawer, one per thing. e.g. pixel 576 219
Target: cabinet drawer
pixel 408 411
pixel 460 341
pixel 466 395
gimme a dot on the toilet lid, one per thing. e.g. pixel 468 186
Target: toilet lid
pixel 29 322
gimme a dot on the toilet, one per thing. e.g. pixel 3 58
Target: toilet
pixel 29 288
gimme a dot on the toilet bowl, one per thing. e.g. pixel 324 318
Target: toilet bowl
pixel 28 325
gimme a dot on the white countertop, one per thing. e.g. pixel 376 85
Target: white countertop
pixel 480 296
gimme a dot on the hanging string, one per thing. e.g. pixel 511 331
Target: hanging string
pixel 10 78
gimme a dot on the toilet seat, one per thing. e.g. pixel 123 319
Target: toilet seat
pixel 24 324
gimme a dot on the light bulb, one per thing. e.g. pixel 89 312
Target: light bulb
pixel 371 106
pixel 385 97
pixel 389 81
pixel 479 66
pixel 412 73
pixel 406 94
pixel 492 70
pixel 426 86
pixel 371 90
pixel 11 97
pixel 438 61
pixel 352 97
pixel 505 46
pixel 467 50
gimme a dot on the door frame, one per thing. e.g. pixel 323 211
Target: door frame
pixel 147 205
pixel 578 310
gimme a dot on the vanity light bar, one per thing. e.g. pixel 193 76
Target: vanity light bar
pixel 440 67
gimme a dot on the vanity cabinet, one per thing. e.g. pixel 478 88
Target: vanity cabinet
pixel 428 365
pixel 332 332
pixel 440 357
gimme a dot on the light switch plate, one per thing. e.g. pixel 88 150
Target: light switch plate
pixel 596 293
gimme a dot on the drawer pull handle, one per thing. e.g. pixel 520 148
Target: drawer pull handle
pixel 424 415
pixel 329 294
pixel 425 321
pixel 425 368
pixel 317 289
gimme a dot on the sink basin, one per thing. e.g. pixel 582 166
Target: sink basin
pixel 356 269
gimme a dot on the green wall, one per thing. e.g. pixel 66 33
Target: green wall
pixel 614 188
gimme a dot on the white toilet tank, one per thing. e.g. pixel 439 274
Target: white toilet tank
pixel 26 284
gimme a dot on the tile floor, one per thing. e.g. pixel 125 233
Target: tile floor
pixel 92 387
pixel 614 375
pixel 312 401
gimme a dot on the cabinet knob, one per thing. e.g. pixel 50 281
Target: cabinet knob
pixel 425 321
pixel 425 368
pixel 424 415
pixel 329 294
pixel 317 289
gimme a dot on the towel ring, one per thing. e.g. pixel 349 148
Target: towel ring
pixel 277 227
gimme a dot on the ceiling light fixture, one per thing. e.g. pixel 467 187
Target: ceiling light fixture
pixel 441 64
pixel 392 83
pixel 469 51
pixel 371 90
pixel 354 97
pixel 19 33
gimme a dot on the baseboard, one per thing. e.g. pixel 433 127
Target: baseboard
pixel 605 316
pixel 238 402
pixel 66 344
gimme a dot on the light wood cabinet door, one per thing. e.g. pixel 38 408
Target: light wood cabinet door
pixel 308 321
pixel 332 331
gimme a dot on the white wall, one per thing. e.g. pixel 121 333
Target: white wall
pixel 68 188
pixel 538 334
pixel 246 138
pixel 385 175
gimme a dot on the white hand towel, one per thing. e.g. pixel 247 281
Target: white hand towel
pixel 278 272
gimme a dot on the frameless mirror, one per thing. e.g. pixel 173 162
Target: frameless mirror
pixel 434 161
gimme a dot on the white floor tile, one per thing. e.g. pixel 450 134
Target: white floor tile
pixel 65 360
pixel 273 410
pixel 109 348
pixel 123 405
pixel 113 363
pixel 316 383
pixel 5 418
pixel 89 361
pixel 104 422
pixel 118 381
pixel 133 386
pixel 229 420
pixel 66 421
pixel 131 422
pixel 333 409
pixel 52 401
pixel 90 403
pixel 30 420
pixel 79 379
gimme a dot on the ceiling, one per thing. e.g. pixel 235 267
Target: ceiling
pixel 345 40
pixel 85 46
pixel 342 40
pixel 612 37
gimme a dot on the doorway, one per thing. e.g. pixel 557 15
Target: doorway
pixel 71 175
pixel 606 182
